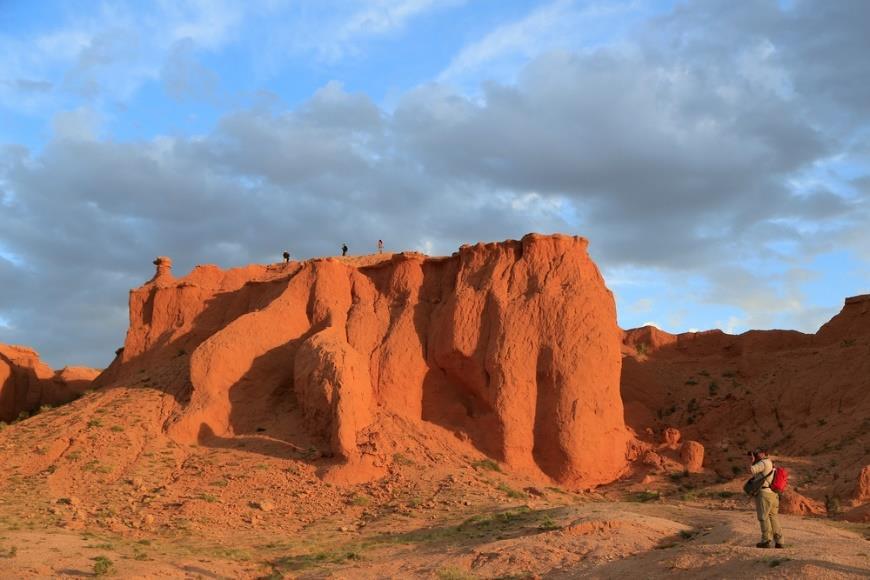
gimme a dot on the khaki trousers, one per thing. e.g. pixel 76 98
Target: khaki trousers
pixel 767 508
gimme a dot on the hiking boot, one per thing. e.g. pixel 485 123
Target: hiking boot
pixel 763 544
pixel 779 545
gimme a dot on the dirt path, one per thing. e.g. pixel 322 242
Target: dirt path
pixel 593 539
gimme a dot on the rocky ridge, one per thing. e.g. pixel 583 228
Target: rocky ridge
pixel 27 383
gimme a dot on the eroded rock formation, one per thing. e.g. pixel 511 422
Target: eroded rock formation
pixel 800 395
pixel 512 346
pixel 332 384
pixel 27 383
pixel 671 437
pixel 692 456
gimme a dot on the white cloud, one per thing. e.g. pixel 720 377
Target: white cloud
pixel 735 325
pixel 81 124
pixel 679 162
pixel 342 36
pixel 208 23
pixel 560 24
pixel 383 16
pixel 641 305
pixel 522 38
pixel 107 55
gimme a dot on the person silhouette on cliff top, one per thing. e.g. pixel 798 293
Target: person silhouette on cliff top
pixel 344 249
pixel 286 257
pixel 380 246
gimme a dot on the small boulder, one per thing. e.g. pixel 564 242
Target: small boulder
pixel 692 456
pixel 859 515
pixel 262 505
pixel 652 459
pixel 671 437
pixel 793 503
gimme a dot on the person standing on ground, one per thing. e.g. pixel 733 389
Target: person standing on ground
pixel 344 249
pixel 286 257
pixel 380 246
pixel 766 500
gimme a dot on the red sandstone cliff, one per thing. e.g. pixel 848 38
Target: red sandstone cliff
pixel 801 395
pixel 26 383
pixel 512 346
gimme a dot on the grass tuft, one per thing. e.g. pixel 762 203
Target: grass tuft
pixel 453 573
pixel 103 566
pixel 511 492
pixel 487 464
pixel 644 496
pixel 400 459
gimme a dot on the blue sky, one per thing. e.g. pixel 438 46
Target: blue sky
pixel 714 153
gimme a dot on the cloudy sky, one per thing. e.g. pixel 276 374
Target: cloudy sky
pixel 716 153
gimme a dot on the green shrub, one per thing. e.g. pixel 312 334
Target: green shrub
pixel 361 500
pixel 400 459
pixel 832 505
pixel 644 496
pixel 487 464
pixel 548 524
pixel 103 566
pixel 511 492
pixel 452 573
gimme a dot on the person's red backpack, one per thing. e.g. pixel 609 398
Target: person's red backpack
pixel 780 480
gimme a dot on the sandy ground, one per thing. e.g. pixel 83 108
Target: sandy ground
pixel 556 535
